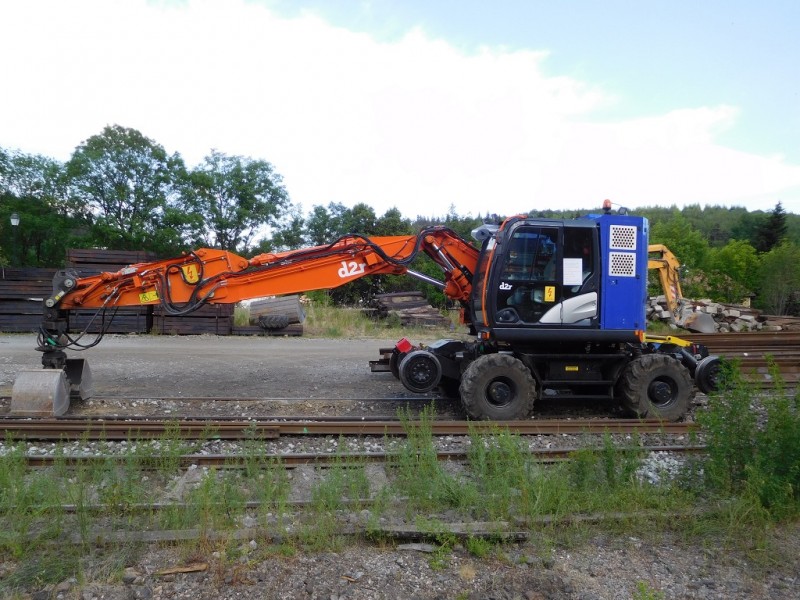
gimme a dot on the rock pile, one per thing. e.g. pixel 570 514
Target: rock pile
pixel 725 318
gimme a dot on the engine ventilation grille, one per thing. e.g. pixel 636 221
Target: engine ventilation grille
pixel 622 264
pixel 623 237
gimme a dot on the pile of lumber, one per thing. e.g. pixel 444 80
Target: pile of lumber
pixel 91 261
pixel 411 308
pixel 216 319
pixel 22 291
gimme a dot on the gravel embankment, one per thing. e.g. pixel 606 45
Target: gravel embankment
pixel 304 376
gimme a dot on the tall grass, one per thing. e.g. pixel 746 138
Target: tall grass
pixel 750 479
pixel 752 457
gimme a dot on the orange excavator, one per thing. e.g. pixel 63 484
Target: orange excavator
pixel 555 308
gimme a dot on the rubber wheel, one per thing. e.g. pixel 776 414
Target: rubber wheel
pixel 656 386
pixel 420 371
pixel 273 321
pixel 708 373
pixel 497 387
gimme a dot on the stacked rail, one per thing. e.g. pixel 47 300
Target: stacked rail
pixel 21 294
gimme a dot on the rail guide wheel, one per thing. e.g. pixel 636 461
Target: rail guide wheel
pixel 420 371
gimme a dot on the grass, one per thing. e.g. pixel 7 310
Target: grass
pixel 746 487
pixel 323 320
pixel 326 321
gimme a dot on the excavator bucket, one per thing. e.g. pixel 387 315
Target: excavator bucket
pixel 47 392
pixel 80 378
pixel 699 323
pixel 40 393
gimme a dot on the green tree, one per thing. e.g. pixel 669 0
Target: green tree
pixel 33 187
pixel 131 186
pixel 770 233
pixel 359 219
pixel 289 234
pixel 235 197
pixel 393 223
pixel 678 235
pixel 779 278
pixel 733 271
pixel 324 225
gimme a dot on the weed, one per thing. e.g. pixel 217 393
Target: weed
pixel 420 475
pixel 27 499
pixel 344 480
pixel 731 426
pixel 444 538
pixel 645 592
pixel 756 462
pixel 42 568
pixel 325 320
pixel 478 546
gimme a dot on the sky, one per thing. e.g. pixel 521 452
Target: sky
pixel 503 107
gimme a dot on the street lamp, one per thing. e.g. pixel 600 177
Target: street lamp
pixel 14 225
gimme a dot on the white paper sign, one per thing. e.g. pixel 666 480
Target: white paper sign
pixel 573 271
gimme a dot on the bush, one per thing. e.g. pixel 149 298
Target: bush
pixel 759 460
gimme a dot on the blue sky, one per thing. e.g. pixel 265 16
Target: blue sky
pixel 491 107
pixel 656 56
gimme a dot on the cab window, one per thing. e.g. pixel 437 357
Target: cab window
pixel 529 274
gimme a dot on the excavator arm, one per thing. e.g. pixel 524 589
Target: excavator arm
pixel 661 259
pixel 210 276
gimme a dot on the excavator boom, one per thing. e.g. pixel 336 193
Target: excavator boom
pixel 183 284
pixel 210 275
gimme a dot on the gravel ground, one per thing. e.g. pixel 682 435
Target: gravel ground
pixel 297 376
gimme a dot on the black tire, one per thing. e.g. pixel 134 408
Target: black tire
pixel 708 374
pixel 273 321
pixel 420 371
pixel 656 386
pixel 497 387
pixel 449 388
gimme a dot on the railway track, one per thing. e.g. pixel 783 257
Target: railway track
pixel 112 429
pixel 290 461
pixel 752 349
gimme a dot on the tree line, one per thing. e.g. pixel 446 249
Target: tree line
pixel 121 190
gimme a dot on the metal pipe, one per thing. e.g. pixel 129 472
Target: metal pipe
pixel 425 278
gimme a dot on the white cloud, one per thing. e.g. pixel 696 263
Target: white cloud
pixel 415 124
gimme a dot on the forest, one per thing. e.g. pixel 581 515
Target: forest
pixel 121 190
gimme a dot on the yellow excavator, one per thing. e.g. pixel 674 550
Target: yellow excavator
pixel 661 259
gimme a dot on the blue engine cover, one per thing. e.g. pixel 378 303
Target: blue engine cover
pixel 623 255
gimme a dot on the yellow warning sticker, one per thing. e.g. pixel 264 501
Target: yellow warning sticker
pixel 190 273
pixel 150 296
pixel 549 293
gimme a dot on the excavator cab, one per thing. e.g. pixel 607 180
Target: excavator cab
pixel 546 276
pixel 542 278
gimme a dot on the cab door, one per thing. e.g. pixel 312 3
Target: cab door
pixel 527 285
pixel 546 276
